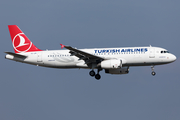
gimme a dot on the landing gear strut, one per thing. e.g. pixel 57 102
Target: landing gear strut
pixel 153 73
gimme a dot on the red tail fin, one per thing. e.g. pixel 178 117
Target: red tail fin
pixel 20 41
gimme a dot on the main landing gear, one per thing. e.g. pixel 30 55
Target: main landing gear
pixel 92 73
pixel 153 73
pixel 97 76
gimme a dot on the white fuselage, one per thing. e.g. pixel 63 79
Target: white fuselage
pixel 131 56
pixel 112 60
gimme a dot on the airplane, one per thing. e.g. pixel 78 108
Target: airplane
pixel 112 60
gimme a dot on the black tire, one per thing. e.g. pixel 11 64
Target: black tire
pixel 92 73
pixel 153 73
pixel 98 76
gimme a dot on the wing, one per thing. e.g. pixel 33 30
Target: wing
pixel 87 57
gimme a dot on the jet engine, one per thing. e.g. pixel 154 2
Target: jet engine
pixel 111 64
pixel 123 70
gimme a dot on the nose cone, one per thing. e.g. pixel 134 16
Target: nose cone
pixel 173 58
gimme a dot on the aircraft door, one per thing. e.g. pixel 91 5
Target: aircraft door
pixel 39 56
pixel 151 52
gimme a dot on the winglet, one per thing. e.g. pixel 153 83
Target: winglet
pixel 62 46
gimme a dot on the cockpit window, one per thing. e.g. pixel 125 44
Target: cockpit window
pixel 164 51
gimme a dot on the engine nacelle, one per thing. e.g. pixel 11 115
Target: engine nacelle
pixel 111 64
pixel 123 70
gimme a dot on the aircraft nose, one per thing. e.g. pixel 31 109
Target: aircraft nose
pixel 173 57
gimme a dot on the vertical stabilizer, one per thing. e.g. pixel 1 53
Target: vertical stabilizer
pixel 20 41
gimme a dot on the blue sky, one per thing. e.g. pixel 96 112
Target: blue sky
pixel 30 92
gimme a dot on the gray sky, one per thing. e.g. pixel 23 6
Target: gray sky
pixel 35 93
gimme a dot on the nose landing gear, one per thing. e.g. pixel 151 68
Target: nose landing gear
pixel 153 73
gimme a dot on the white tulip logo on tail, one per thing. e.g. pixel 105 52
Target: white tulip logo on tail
pixel 21 43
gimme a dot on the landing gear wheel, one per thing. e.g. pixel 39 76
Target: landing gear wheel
pixel 152 68
pixel 153 73
pixel 92 73
pixel 97 76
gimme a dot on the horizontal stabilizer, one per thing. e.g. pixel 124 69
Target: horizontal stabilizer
pixel 16 55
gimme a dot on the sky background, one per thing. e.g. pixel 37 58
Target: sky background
pixel 29 92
